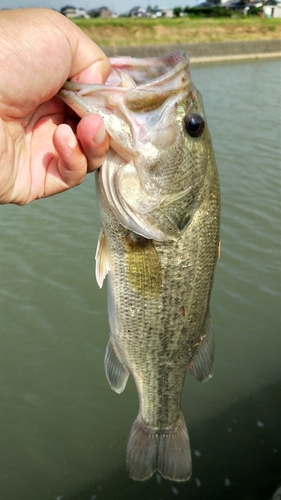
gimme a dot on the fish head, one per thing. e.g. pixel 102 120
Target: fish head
pixel 159 141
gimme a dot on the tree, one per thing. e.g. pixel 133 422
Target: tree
pixel 177 11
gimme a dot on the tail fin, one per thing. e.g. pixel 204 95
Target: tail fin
pixel 167 452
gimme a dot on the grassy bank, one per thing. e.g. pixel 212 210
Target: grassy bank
pixel 132 31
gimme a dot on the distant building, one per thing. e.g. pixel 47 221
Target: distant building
pixel 138 12
pixel 161 12
pixel 71 12
pixel 156 12
pixel 272 8
pixel 105 12
pixel 101 12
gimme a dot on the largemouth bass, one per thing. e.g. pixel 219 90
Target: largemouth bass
pixel 159 204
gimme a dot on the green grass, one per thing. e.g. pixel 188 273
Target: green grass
pixel 134 31
pixel 127 22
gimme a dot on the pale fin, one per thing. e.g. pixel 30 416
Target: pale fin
pixel 167 452
pixel 102 261
pixel 116 373
pixel 201 365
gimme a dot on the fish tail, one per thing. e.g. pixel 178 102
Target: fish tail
pixel 165 451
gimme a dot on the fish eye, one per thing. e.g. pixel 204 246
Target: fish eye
pixel 194 125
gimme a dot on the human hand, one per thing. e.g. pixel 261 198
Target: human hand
pixel 44 148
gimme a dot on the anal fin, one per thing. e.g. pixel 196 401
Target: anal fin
pixel 201 364
pixel 117 374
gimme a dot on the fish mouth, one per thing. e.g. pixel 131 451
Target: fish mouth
pixel 146 83
pixel 150 68
pixel 156 79
pixel 134 88
pixel 148 71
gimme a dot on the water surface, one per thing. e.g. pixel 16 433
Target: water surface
pixel 63 430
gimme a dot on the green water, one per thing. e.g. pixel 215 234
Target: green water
pixel 63 430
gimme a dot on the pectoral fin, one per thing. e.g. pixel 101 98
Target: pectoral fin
pixel 102 260
pixel 143 267
pixel 201 364
pixel 116 373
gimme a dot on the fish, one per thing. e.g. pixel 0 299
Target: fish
pixel 159 202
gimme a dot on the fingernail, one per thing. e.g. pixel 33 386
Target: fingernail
pixel 100 135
